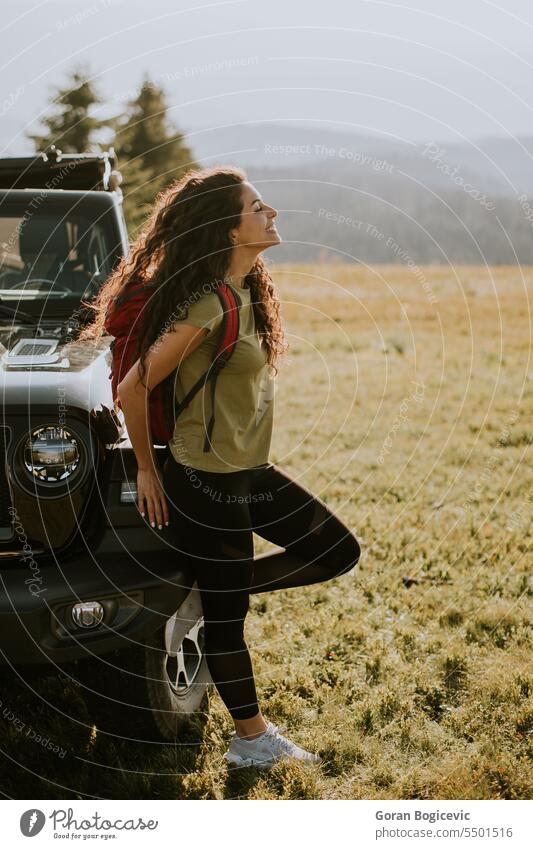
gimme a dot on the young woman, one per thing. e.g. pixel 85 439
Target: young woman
pixel 211 226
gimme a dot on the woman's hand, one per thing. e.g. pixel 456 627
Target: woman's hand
pixel 150 492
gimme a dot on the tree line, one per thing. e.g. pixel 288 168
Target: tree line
pixel 151 151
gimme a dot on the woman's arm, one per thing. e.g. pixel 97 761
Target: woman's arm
pixel 161 359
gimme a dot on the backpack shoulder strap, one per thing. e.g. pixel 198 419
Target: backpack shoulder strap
pixel 229 332
pixel 231 304
pixel 228 336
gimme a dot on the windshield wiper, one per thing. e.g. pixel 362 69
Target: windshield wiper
pixel 18 314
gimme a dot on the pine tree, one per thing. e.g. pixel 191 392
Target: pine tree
pixel 151 153
pixel 71 126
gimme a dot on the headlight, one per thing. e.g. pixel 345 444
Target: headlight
pixel 51 454
pixel 53 460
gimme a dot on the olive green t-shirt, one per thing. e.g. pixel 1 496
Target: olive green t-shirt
pixel 244 395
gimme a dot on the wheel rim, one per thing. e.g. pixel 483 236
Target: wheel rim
pixel 183 663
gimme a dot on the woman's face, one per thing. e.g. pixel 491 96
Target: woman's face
pixel 257 228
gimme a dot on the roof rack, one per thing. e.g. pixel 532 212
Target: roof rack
pixel 53 169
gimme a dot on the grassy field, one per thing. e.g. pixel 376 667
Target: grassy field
pixel 406 404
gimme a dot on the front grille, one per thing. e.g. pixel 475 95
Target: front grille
pixel 6 522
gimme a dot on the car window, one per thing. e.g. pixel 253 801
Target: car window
pixel 52 254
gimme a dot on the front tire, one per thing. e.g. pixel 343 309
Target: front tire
pixel 150 692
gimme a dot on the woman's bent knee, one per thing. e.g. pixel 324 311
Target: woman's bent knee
pixel 341 549
pixel 344 556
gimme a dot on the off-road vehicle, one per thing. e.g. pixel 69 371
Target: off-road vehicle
pixel 84 579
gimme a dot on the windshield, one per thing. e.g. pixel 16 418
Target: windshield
pixel 52 255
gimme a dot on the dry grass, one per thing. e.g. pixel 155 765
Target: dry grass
pixel 409 689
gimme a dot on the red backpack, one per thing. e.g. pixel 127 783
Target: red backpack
pixel 124 320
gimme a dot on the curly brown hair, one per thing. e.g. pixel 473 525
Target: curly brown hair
pixel 185 245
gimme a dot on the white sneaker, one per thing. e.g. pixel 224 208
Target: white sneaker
pixel 265 750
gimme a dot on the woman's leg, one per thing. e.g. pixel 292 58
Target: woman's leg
pixel 211 523
pixel 318 546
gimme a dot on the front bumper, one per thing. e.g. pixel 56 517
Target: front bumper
pixel 138 595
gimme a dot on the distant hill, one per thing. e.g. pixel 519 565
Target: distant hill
pixel 371 199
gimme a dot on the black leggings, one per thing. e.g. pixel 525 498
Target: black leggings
pixel 213 515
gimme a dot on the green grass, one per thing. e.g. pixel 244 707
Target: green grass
pixel 410 689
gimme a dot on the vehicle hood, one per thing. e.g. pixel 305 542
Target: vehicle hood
pixel 79 377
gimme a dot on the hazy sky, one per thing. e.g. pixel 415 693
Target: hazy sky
pixel 419 70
